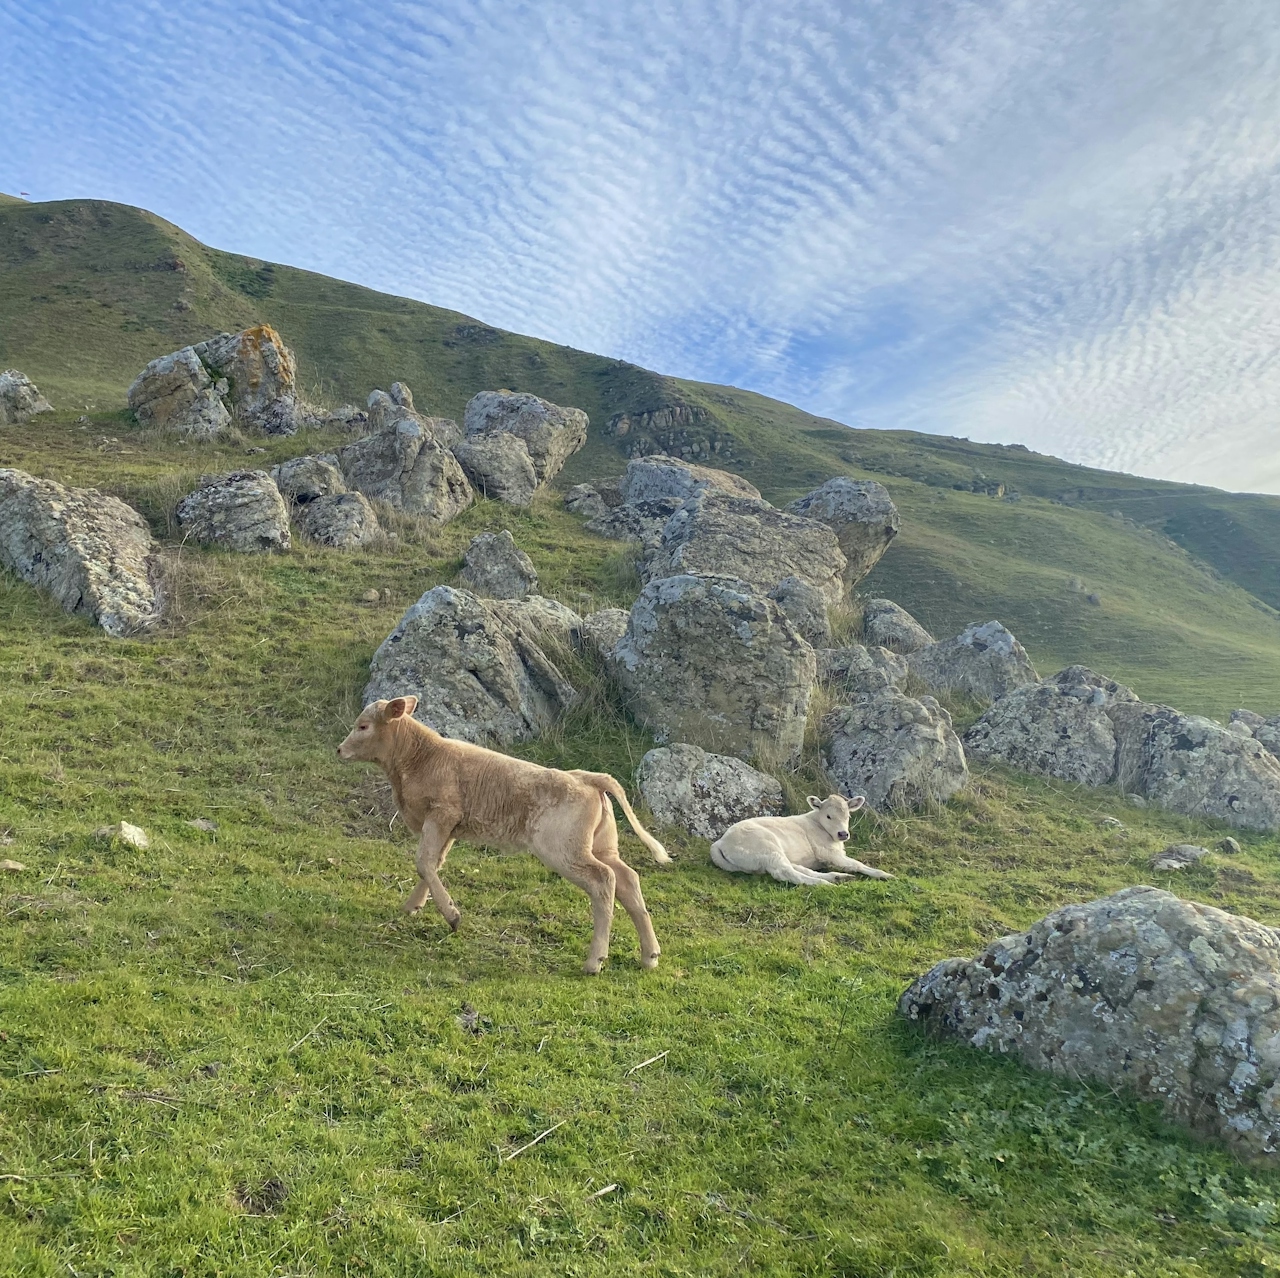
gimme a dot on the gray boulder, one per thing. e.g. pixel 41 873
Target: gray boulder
pixel 303 479
pixel 985 661
pixel 705 793
pixel 91 552
pixel 603 630
pixel 20 398
pixel 500 467
pixel 806 609
pixel 539 620
pixel 584 500
pixel 858 669
pixel 711 661
pixel 495 566
pixel 176 392
pixel 403 465
pixel 241 511
pixel 1174 1001
pixel 1059 728
pixel 1266 730
pixel 638 521
pixel 887 625
pixel 863 516
pixel 1177 856
pixel 345 521
pixel 389 409
pixel 657 477
pixel 551 434
pixel 478 675
pixel 741 537
pixel 899 752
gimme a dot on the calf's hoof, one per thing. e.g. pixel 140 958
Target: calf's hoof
pixel 592 967
pixel 409 908
pixel 649 962
pixel 455 922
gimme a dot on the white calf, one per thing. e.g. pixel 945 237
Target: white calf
pixel 807 849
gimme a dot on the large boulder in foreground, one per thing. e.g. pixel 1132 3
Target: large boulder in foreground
pixel 657 477
pixel 742 537
pixel 1174 1001
pixel 478 671
pixel 897 751
pixel 863 516
pixel 20 398
pixel 705 793
pixel 241 511
pixel 345 521
pixel 1059 728
pixel 404 465
pixel 92 553
pixel 985 661
pixel 886 624
pixel 550 434
pixel 494 565
pixel 711 661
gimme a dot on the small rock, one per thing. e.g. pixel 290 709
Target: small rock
pixel 126 833
pixel 204 824
pixel 1111 823
pixel 886 624
pixel 1229 845
pixel 371 597
pixel 582 499
pixel 303 479
pixel 1137 800
pixel 1177 856
pixel 658 477
pixel 985 661
pixel 1094 598
pixel 495 566
pixel 212 1069
pixel 863 516
pixel 603 630
pixel 12 867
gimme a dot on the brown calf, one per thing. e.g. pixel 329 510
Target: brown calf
pixel 447 790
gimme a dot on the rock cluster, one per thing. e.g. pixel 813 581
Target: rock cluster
pixel 1175 1001
pixel 20 398
pixel 705 793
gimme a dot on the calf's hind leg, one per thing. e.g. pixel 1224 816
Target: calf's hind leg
pixel 597 880
pixel 626 883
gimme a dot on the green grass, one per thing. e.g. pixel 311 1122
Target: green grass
pixel 182 1028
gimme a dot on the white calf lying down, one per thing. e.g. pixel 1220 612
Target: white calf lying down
pixel 807 849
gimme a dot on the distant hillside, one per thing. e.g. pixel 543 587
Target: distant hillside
pixel 1187 578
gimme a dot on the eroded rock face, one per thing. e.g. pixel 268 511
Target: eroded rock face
pixel 712 662
pixel 403 465
pixel 985 661
pixel 658 477
pixel 20 398
pixel 899 752
pixel 477 676
pixel 1059 728
pixel 863 516
pixel 345 521
pixel 1175 1001
pixel 887 625
pixel 551 434
pixel 303 479
pixel 705 793
pixel 495 566
pixel 92 553
pixel 500 467
pixel 639 521
pixel 241 511
pixel 603 630
pixel 748 539
pixel 176 392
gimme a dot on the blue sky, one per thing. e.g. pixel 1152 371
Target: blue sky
pixel 1054 222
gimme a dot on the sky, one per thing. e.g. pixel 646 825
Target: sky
pixel 1048 222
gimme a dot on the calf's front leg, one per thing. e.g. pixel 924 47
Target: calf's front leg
pixel 847 865
pixel 433 846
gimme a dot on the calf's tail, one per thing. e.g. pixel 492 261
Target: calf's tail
pixel 607 785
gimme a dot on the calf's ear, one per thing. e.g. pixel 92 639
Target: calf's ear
pixel 858 801
pixel 398 708
pixel 814 801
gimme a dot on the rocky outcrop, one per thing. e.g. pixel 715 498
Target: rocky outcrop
pixel 583 499
pixel 20 399
pixel 1174 1001
pixel 405 466
pixel 712 662
pixel 887 625
pixel 177 392
pixel 242 511
pixel 478 675
pixel 805 607
pixel 91 552
pixel 1059 728
pixel 985 661
pixel 639 521
pixel 345 521
pixel 705 793
pixel 500 468
pixel 1247 722
pixel 303 479
pixel 863 516
pixel 551 434
pixel 657 477
pixel 748 539
pixel 495 566
pixel 895 750
pixel 389 409
pixel 603 630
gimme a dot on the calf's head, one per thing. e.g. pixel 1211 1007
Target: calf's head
pixel 832 813
pixel 371 737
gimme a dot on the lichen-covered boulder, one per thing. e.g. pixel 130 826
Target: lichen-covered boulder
pixel 1266 730
pixel 985 661
pixel 863 516
pixel 603 630
pixel 895 750
pixel 261 378
pixel 741 537
pixel 345 521
pixel 657 477
pixel 303 479
pixel 241 511
pixel 1059 728
pixel 1190 764
pixel 177 392
pixel 859 669
pixel 551 434
pixel 20 398
pixel 477 676
pixel 886 624
pixel 712 662
pixel 546 622
pixel 1174 1001
pixel 91 552
pixel 705 793
pixel 1178 856
pixel 405 466
pixel 500 467
pixel 805 607
pixel 641 521
pixel 495 566
pixel 583 499
pixel 388 409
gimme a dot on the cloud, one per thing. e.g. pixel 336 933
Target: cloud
pixel 1049 221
